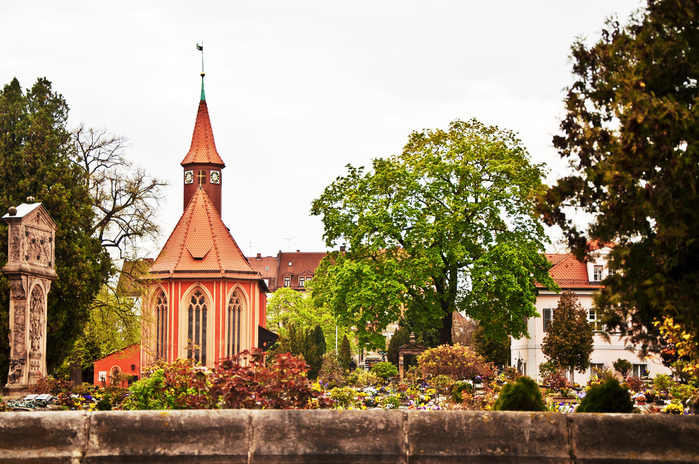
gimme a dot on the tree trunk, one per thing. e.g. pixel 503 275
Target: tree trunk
pixel 445 332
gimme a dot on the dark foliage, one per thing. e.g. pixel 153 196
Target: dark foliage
pixel 630 135
pixel 609 396
pixel 35 161
pixel 521 395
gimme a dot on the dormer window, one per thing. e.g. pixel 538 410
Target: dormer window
pixel 302 281
pixel 287 281
pixel 597 273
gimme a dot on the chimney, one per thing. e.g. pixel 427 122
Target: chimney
pixel 259 256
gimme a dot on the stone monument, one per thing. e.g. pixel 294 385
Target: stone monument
pixel 30 270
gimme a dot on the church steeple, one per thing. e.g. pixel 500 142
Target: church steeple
pixel 202 164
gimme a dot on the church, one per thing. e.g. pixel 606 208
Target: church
pixel 204 300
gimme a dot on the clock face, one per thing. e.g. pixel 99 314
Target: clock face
pixel 215 177
pixel 188 177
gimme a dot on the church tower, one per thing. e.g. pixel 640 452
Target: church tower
pixel 205 301
pixel 202 165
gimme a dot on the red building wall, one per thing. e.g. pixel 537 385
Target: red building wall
pixel 127 361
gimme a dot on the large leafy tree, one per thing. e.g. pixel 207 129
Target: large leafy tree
pixel 447 225
pixel 287 307
pixel 631 135
pixel 569 342
pixel 35 149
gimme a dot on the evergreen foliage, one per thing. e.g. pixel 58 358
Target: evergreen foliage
pixel 630 135
pixel 345 356
pixel 493 350
pixel 521 395
pixel 400 337
pixel 35 161
pixel 569 342
pixel 608 396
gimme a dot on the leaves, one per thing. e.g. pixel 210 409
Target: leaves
pixel 35 160
pixel 431 231
pixel 569 342
pixel 630 134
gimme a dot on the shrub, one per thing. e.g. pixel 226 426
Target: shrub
pixel 384 370
pixel 521 395
pixel 609 396
pixel 330 371
pixel 662 382
pixel 50 385
pixel 362 378
pixel 623 367
pixel 457 361
pixel 556 380
pixel 635 384
pixel 458 389
pixel 281 384
pixel 345 398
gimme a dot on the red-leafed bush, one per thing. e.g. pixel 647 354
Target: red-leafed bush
pixel 242 382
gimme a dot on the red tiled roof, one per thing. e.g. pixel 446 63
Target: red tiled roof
pixel 201 246
pixel 203 148
pixel 303 263
pixel 568 272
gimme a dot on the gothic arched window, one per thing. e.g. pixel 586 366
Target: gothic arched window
pixel 235 312
pixel 161 326
pixel 196 327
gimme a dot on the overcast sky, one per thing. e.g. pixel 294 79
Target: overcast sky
pixel 298 89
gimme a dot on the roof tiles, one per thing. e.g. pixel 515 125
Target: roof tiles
pixel 201 246
pixel 203 148
pixel 568 272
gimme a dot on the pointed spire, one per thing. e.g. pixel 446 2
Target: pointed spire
pixel 201 49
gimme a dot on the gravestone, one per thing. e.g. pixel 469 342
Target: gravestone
pixel 30 270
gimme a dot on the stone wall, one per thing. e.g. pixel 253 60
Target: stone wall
pixel 329 436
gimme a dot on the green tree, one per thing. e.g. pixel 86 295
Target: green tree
pixel 630 135
pixel 288 306
pixel 496 351
pixel 113 324
pixel 35 159
pixel 569 342
pixel 447 225
pixel 400 337
pixel 345 356
pixel 315 349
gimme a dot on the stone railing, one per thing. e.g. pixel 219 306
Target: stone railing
pixel 329 436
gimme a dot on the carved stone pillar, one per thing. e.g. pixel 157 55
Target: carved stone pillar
pixel 30 269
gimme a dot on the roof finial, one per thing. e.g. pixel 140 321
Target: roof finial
pixel 201 49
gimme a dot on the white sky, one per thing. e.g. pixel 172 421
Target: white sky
pixel 298 89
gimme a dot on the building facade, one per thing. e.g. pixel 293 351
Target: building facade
pixel 584 279
pixel 204 300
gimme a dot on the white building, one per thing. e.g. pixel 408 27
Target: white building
pixel 584 279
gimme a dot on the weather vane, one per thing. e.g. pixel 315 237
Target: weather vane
pixel 201 49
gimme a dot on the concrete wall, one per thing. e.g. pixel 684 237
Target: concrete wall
pixel 329 436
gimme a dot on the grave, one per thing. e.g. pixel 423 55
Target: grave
pixel 30 270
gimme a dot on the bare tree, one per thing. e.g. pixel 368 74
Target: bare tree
pixel 125 197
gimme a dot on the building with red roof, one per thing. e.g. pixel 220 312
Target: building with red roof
pixel 288 269
pixel 584 278
pixel 204 300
